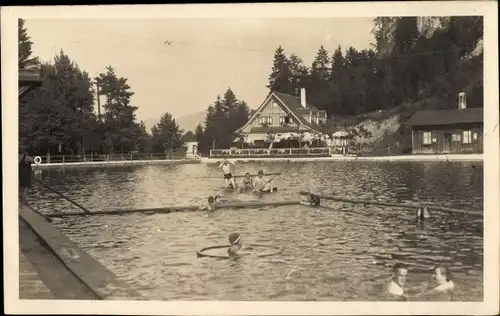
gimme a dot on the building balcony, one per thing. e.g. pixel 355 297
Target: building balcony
pixel 275 152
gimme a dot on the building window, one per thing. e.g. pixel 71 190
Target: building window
pixel 427 138
pixel 455 137
pixel 266 120
pixel 466 137
pixel 284 120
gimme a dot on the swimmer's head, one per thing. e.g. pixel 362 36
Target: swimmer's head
pixel 399 273
pixel 235 239
pixel 211 200
pixel 442 274
pixel 217 198
pixel 261 173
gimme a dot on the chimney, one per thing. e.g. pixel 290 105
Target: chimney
pixel 303 97
pixel 462 101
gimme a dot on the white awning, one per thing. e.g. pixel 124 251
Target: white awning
pixel 340 134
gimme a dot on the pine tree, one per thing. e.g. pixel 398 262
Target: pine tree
pixel 280 77
pixel 25 59
pixel 119 114
pixel 319 79
pixel 298 74
pixel 166 134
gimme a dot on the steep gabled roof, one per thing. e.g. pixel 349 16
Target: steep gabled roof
pixel 446 117
pixel 291 104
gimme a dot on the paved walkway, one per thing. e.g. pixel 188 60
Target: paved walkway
pixel 31 285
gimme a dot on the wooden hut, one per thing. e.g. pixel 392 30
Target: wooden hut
pixel 458 131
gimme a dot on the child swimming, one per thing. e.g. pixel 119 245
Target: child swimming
pixel 247 182
pixel 312 200
pixel 443 283
pixel 218 199
pixel 236 244
pixel 442 276
pixel 210 207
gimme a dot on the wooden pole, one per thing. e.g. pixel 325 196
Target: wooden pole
pixel 399 205
pixel 173 209
pixel 86 211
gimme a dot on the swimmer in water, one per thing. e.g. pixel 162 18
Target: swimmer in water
pixel 218 199
pixel 262 185
pixel 236 245
pixel 228 176
pixel 443 281
pixel 211 206
pixel 247 182
pixel 395 287
pixel 312 200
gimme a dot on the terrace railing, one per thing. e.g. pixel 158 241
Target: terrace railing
pixel 275 152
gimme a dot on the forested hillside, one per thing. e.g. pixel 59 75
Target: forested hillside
pixel 412 59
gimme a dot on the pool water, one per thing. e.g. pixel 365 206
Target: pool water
pixel 338 252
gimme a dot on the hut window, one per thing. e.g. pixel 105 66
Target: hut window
pixel 455 137
pixel 466 137
pixel 427 138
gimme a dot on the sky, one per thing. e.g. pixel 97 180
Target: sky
pixel 205 57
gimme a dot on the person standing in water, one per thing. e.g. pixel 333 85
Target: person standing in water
pixel 262 185
pixel 443 284
pixel 25 174
pixel 395 288
pixel 228 176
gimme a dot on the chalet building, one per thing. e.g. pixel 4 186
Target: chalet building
pixel 457 131
pixel 285 116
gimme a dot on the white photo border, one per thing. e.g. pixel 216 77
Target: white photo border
pixel 488 9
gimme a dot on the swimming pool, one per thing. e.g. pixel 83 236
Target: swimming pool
pixel 340 252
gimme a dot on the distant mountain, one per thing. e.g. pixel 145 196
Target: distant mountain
pixel 187 123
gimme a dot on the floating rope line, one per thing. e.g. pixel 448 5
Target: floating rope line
pixel 200 253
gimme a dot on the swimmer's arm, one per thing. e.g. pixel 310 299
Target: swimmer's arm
pixel 29 159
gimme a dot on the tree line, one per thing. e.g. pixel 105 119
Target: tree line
pixel 59 117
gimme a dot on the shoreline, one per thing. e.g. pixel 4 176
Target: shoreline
pixel 417 158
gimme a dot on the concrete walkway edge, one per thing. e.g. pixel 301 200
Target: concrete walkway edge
pixel 102 282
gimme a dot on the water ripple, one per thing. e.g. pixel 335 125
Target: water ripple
pixel 336 252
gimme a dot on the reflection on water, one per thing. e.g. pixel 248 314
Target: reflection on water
pixel 337 252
